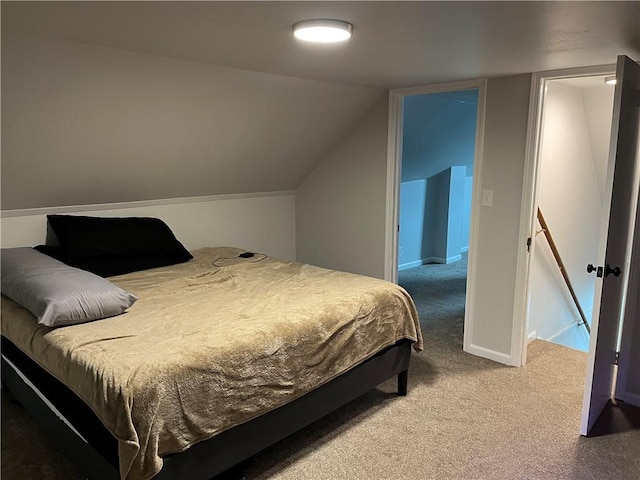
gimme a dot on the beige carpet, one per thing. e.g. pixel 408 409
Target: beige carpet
pixel 464 418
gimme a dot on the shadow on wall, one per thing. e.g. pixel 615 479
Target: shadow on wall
pixel 434 216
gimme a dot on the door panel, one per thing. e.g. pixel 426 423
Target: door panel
pixel 615 242
pixel 628 376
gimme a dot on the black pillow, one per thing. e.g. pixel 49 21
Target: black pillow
pixel 113 246
pixel 53 252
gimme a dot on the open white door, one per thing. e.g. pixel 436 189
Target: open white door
pixel 616 240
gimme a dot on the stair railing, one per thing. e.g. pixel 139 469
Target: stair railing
pixel 562 268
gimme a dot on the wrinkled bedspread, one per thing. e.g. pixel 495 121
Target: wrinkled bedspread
pixel 213 343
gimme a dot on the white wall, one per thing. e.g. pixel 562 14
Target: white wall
pixel 259 223
pixel 598 109
pixel 497 241
pixel 570 200
pixel 83 124
pixel 340 206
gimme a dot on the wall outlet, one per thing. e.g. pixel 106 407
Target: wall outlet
pixel 399 251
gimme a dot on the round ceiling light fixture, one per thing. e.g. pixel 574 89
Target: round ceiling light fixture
pixel 323 30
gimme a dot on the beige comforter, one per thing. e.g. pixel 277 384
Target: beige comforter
pixel 212 343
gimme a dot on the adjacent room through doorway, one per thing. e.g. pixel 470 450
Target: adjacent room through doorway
pixel 438 151
pixel 573 159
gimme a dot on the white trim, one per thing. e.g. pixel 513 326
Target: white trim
pixel 394 162
pixel 472 260
pixel 139 203
pixel 519 338
pixel 429 260
pixel 394 165
pixel 464 249
pixel 455 258
pixel 490 354
pixel 43 398
pixel 561 331
pixel 532 336
pixel 415 263
pixel 527 227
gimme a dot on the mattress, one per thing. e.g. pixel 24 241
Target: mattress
pixel 212 343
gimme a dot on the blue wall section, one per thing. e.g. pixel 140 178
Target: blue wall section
pixel 410 238
pixel 437 163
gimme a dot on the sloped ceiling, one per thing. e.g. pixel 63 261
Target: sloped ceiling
pixel 439 132
pixel 120 101
pixel 85 125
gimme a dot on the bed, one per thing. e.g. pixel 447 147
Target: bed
pixel 219 357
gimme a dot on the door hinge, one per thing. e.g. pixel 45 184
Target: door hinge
pixel 529 244
pixel 616 360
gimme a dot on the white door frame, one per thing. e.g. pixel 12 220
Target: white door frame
pixel 394 169
pixel 530 186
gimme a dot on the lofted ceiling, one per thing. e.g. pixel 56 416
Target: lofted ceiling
pixel 115 101
pixel 395 44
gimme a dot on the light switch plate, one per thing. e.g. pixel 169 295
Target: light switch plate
pixel 487 198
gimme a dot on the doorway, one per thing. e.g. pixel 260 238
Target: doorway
pixel 438 149
pixel 573 156
pixel 432 164
pixel 608 366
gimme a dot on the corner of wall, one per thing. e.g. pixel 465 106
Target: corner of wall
pixel 341 204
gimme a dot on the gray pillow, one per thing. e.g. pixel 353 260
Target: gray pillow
pixel 56 293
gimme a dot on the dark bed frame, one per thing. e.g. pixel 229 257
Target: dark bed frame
pixel 98 456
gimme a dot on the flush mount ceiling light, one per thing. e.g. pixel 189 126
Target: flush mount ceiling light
pixel 323 30
pixel 610 80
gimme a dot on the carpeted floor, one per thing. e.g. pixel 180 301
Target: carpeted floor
pixel 464 417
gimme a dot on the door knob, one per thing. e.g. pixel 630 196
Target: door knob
pixel 606 270
pixel 616 271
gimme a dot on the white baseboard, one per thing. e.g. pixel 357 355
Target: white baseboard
pixel 455 258
pixel 532 336
pixel 464 249
pixel 406 266
pixel 425 261
pixel 490 354
pixel 561 331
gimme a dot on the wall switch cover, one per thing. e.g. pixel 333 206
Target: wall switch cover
pixel 487 198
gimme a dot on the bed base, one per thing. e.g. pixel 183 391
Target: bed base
pixel 96 455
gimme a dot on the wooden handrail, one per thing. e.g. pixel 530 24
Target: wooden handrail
pixel 563 270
